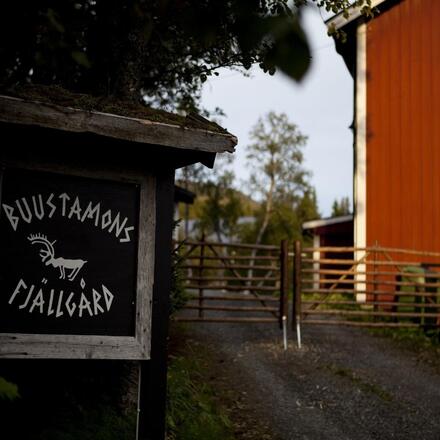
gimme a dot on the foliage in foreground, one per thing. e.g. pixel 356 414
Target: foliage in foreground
pixel 416 337
pixel 192 413
pixel 101 423
pixel 178 295
pixel 8 390
pixel 161 49
pixel 67 400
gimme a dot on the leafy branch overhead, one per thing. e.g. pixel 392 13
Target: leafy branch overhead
pixel 161 49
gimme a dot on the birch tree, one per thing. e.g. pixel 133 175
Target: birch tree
pixel 275 159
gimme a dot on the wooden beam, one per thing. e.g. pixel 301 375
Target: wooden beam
pixel 338 21
pixel 20 111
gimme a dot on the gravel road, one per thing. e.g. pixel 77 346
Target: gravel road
pixel 343 384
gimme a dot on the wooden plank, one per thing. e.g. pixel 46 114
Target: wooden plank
pixel 230 267
pixel 232 308
pixel 373 303
pixel 373 282
pixel 371 313
pixel 395 132
pixel 236 298
pixel 26 346
pixel 367 262
pixel 372 292
pixel 226 320
pixel 200 273
pixel 227 278
pixel 405 221
pixel 154 372
pixel 237 257
pixel 266 247
pixel 432 123
pixel 359 324
pixel 19 111
pixel 378 273
pixel 332 249
pixel 233 288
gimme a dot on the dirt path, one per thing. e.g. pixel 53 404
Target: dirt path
pixel 343 384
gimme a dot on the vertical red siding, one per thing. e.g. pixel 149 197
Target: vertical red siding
pixel 403 125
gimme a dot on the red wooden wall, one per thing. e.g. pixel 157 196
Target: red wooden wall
pixel 403 126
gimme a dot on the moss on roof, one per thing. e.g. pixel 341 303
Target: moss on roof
pixel 59 96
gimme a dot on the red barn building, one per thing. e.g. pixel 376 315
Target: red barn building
pixel 396 65
pixel 395 61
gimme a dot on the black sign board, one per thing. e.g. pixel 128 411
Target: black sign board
pixel 69 249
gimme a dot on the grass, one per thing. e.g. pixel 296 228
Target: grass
pixel 100 423
pixel 363 385
pixel 65 400
pixel 192 413
pixel 415 337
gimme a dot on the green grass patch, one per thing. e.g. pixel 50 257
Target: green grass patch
pixel 362 384
pixel 8 390
pixel 416 337
pixel 192 413
pixel 101 423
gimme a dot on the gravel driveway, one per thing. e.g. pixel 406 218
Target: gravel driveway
pixel 343 384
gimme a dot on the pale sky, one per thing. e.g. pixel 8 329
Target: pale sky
pixel 321 106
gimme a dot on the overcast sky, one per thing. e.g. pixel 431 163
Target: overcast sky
pixel 322 107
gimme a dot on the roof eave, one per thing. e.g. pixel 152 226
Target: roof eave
pixel 338 21
pixel 20 111
pixel 313 224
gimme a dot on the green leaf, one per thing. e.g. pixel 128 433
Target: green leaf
pixel 8 390
pixel 81 58
pixel 290 51
pixel 54 20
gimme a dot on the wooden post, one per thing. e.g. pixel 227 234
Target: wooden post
pixel 152 392
pixel 200 271
pixel 296 314
pixel 284 280
pixel 375 285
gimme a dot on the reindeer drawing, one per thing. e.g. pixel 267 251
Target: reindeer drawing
pixel 48 258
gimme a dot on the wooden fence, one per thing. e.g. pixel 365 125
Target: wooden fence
pixel 366 287
pixel 247 281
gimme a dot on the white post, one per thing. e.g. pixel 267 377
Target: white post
pixel 316 264
pixel 285 332
pixel 298 333
pixel 360 177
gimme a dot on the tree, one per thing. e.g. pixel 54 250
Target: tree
pixel 278 178
pixel 222 208
pixel 162 50
pixel 341 207
pixel 219 204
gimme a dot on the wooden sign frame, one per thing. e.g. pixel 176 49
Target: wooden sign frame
pixel 137 347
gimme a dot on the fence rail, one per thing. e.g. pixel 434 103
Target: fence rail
pixel 361 287
pixel 366 287
pixel 255 275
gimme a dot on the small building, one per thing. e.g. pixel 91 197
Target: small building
pixel 86 218
pixel 394 59
pixel 329 232
pixel 332 231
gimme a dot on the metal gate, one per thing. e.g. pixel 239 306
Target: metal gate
pixel 366 287
pixel 235 282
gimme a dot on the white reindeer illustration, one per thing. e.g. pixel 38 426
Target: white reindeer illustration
pixel 48 257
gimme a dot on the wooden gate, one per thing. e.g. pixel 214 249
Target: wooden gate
pixel 235 282
pixel 366 287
